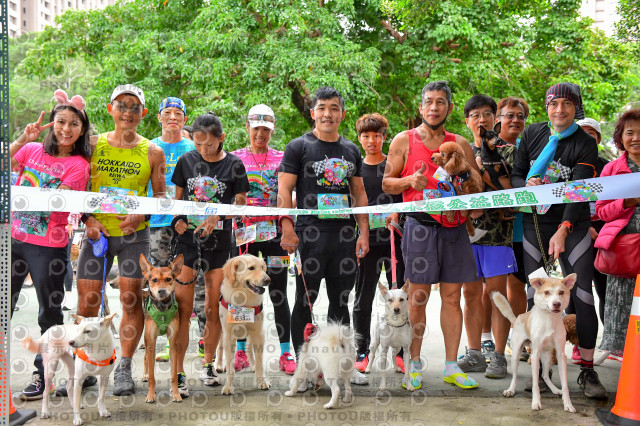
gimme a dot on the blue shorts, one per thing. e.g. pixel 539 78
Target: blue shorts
pixel 492 261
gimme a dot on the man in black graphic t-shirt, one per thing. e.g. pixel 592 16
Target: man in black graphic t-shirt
pixel 324 168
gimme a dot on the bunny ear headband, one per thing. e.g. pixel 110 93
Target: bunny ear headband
pixel 77 101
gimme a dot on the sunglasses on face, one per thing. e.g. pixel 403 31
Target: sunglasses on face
pixel 261 117
pixel 134 109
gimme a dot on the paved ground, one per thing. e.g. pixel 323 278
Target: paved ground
pixel 437 403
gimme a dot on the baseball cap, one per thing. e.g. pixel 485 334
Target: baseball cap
pixel 172 102
pixel 591 123
pixel 128 89
pixel 261 116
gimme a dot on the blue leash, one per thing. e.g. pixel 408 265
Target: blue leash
pixel 100 247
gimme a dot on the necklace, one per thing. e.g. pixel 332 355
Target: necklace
pixel 261 165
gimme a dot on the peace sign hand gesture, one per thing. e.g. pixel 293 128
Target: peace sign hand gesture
pixel 33 130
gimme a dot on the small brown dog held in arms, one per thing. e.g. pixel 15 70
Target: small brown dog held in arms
pixel 465 179
pixel 161 317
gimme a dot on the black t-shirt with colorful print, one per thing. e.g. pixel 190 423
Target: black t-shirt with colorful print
pixel 323 170
pixel 211 182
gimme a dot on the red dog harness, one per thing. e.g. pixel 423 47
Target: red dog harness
pixel 225 304
pixel 80 353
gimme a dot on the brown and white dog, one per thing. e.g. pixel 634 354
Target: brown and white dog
pixel 543 326
pixel 241 314
pixel 161 305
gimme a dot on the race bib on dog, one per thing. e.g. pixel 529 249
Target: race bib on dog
pixel 441 174
pixel 245 235
pixel 240 314
pixel 278 261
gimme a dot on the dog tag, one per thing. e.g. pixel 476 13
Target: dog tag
pixel 241 314
pixel 278 261
pixel 441 174
pixel 266 230
pixel 245 235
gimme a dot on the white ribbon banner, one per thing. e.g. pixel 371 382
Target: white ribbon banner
pixel 24 198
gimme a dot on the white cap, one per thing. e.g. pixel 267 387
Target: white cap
pixel 591 123
pixel 261 116
pixel 128 89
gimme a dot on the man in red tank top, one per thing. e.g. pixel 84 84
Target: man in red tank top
pixel 434 249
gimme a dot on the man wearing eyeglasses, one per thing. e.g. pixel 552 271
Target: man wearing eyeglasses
pixel 512 114
pixel 123 163
pixel 494 261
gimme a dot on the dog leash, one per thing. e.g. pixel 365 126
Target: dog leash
pixel 99 248
pixel 173 244
pixel 395 227
pixel 548 265
pixel 311 327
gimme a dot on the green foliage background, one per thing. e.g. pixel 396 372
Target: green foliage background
pixel 227 55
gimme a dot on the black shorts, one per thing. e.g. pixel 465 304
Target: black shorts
pixel 214 251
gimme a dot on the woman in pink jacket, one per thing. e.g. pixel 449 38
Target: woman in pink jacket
pixel 621 217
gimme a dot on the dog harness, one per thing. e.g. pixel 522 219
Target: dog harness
pixel 461 178
pixel 80 353
pixel 225 304
pixel 162 318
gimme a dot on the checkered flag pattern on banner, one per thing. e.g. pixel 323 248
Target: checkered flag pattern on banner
pixel 129 203
pixel 559 191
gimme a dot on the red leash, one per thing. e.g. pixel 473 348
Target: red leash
pixel 394 228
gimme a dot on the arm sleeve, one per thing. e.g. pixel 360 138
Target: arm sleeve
pixel 585 168
pixel 521 162
pixel 291 161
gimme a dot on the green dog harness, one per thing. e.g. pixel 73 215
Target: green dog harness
pixel 162 318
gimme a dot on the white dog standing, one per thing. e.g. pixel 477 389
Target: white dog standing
pixel 544 327
pixel 328 356
pixel 93 345
pixel 392 330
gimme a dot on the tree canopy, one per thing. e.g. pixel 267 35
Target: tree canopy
pixel 227 55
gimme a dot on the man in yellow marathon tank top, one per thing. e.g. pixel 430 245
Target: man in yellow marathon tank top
pixel 123 163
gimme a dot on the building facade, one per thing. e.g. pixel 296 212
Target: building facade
pixel 25 16
pixel 603 13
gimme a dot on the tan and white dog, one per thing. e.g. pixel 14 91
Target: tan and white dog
pixel 95 355
pixel 543 326
pixel 392 330
pixel 328 356
pixel 243 286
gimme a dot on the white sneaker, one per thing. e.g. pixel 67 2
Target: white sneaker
pixel 67 304
pixel 358 378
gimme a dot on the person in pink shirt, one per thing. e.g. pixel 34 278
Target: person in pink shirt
pixel 39 239
pixel 261 163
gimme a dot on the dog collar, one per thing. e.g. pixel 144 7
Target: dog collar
pixel 225 304
pixel 80 353
pixel 162 318
pixel 398 326
pixel 462 177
